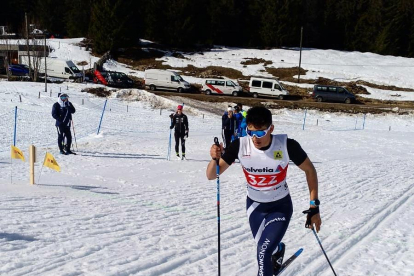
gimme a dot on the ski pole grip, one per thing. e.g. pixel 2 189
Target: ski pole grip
pixel 216 142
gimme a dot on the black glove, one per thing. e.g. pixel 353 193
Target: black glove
pixel 186 133
pixel 171 127
pixel 310 213
pixel 171 115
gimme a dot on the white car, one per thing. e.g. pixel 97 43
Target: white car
pixel 222 87
pixel 269 87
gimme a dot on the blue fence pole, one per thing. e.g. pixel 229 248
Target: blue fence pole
pixel 304 119
pixel 15 125
pixel 103 111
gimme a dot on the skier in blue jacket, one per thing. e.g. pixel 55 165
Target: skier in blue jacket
pixel 62 112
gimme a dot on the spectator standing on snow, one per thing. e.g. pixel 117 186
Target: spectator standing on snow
pixel 179 122
pixel 62 112
pixel 228 126
pixel 265 159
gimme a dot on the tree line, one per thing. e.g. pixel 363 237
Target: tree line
pixel 379 26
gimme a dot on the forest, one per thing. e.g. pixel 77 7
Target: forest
pixel 379 26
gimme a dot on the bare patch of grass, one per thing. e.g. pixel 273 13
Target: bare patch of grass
pixel 98 91
pixel 286 74
pixel 253 61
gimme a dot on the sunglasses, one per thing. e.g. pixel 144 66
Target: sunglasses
pixel 257 133
pixel 63 98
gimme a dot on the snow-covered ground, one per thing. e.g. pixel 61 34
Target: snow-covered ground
pixel 120 208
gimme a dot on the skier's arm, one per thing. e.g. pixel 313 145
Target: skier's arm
pixel 55 112
pixel 215 152
pixel 71 107
pixel 312 179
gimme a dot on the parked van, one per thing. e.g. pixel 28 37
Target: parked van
pixel 164 79
pixel 222 87
pixel 56 68
pixel 270 87
pixel 332 93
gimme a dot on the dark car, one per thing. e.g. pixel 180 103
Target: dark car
pixel 19 70
pixel 116 79
pixel 332 94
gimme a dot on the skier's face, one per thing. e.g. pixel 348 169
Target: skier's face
pixel 264 140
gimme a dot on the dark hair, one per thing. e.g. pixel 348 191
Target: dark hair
pixel 259 116
pixel 240 106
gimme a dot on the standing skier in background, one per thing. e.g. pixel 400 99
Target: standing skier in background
pixel 62 112
pixel 228 126
pixel 265 158
pixel 179 122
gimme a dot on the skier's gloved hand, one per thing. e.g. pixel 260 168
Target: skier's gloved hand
pixel 171 115
pixel 311 212
pixel 171 127
pixel 186 133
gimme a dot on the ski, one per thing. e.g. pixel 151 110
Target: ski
pixel 289 261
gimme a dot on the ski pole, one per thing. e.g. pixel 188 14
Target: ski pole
pixel 169 147
pixel 74 135
pixel 319 241
pixel 216 141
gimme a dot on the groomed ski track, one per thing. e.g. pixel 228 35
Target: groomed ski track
pixel 120 208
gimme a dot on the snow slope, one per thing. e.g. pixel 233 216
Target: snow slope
pixel 120 208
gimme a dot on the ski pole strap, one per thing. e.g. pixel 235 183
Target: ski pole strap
pixel 310 213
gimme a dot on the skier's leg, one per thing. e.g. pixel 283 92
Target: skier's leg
pixel 182 143
pixel 224 138
pixel 68 136
pixel 268 223
pixel 177 138
pixel 60 137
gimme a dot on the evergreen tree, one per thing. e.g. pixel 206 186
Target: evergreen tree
pixel 78 17
pixel 109 24
pixel 51 14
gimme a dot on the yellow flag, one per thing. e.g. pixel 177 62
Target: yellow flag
pixel 16 153
pixel 51 162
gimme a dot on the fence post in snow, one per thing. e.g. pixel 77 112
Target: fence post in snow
pixel 317 122
pixel 304 119
pixel 103 111
pixel 127 108
pixel 39 95
pixel 356 120
pixel 363 124
pixel 160 111
pixel 82 101
pixel 20 97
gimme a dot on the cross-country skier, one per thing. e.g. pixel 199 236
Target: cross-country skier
pixel 265 158
pixel 62 112
pixel 179 122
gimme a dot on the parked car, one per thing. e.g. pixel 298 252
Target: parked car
pixel 269 87
pixel 19 70
pixel 222 87
pixel 330 93
pixel 114 79
pixel 164 79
